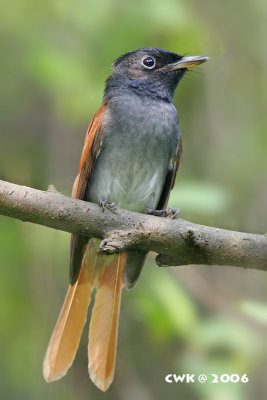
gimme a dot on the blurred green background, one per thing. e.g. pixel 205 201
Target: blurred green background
pixel 55 56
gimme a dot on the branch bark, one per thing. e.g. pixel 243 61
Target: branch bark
pixel 177 242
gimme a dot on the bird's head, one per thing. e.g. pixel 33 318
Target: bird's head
pixel 150 71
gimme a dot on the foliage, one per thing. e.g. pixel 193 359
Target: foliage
pixel 55 57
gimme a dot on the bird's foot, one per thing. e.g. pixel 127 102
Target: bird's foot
pixel 103 204
pixel 166 212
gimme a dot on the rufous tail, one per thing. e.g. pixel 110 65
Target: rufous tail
pixel 104 323
pixel 107 276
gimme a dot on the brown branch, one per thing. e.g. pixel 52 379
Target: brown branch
pixel 177 242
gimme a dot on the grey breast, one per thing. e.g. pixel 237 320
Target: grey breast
pixel 139 140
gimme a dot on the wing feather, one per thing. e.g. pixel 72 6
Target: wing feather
pixel 171 177
pixel 90 152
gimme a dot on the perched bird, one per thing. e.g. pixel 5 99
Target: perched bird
pixel 131 155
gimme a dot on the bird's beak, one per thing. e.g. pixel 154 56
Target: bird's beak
pixel 187 62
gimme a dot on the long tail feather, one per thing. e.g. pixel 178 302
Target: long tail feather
pixel 104 323
pixel 68 330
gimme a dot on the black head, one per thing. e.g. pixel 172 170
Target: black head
pixel 149 71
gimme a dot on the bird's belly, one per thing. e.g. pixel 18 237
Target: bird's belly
pixel 133 184
pixel 136 152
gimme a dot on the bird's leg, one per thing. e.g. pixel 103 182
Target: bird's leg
pixel 166 212
pixel 103 204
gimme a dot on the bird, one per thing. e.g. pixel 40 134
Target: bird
pixel 131 155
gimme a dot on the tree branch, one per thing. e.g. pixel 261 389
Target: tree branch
pixel 177 242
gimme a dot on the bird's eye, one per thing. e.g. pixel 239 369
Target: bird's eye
pixel 149 62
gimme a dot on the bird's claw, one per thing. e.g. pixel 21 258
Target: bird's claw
pixel 166 212
pixel 103 204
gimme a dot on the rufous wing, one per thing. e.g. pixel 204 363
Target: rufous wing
pixel 91 149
